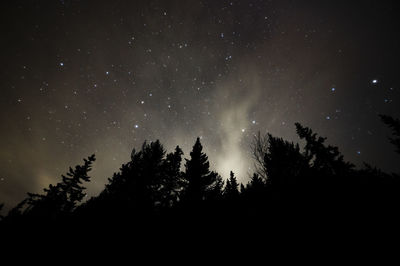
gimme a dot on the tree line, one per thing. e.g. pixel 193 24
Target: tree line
pixel 289 182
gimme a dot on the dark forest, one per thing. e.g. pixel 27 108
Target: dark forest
pixel 292 183
pixel 249 122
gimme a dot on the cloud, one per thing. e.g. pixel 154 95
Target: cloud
pixel 235 122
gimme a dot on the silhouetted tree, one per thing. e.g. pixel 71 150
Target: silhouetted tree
pixel 200 182
pixel 214 192
pixel 327 160
pixel 58 201
pixel 138 185
pixel 255 197
pixel 231 190
pixel 278 162
pixel 172 180
pixel 315 177
pixel 256 183
pixel 259 147
pixel 290 183
pixel 394 124
pixel 148 184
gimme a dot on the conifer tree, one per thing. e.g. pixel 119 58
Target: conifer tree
pixel 148 182
pixel 277 161
pixel 215 191
pixel 198 178
pixel 58 200
pixel 231 190
pixel 172 178
pixel 142 177
pixel 324 159
pixel 256 185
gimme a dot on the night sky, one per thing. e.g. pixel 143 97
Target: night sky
pixel 84 77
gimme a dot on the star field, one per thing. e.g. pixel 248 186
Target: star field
pixel 83 77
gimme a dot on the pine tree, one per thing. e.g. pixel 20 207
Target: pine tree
pixel 231 191
pixel 59 200
pixel 278 161
pixel 324 159
pixel 172 178
pixel 149 182
pixel 150 174
pixel 141 179
pixel 256 186
pixel 215 191
pixel 199 180
pixel 71 187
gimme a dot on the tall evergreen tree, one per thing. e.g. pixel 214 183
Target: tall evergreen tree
pixel 198 178
pixel 325 159
pixel 138 184
pixel 255 188
pixel 59 200
pixel 256 182
pixel 278 162
pixel 231 190
pixel 215 191
pixel 172 178
pixel 150 182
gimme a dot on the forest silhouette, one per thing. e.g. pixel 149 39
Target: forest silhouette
pixel 154 193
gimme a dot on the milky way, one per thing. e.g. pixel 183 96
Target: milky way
pixel 83 77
